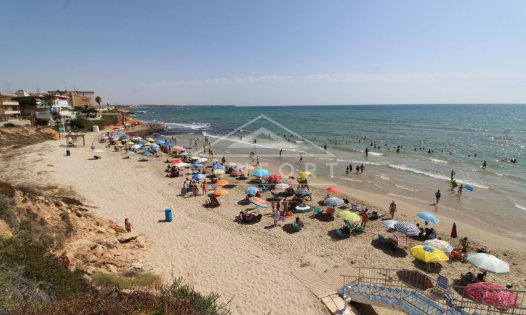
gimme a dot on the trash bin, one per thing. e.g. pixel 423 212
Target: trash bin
pixel 168 215
pixel 68 153
pixel 96 128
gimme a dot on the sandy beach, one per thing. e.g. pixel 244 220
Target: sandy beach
pixel 252 266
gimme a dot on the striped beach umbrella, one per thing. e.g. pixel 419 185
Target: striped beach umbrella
pixel 389 224
pixel 407 228
pixel 258 202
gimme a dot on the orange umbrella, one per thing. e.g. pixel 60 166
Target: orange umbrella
pixel 221 182
pixel 176 161
pixel 334 190
pixel 220 192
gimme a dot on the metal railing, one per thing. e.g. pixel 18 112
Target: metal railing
pixel 419 282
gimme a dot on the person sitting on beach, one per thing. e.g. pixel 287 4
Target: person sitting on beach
pixel 299 222
pixel 482 276
pixel 468 278
pixel 422 234
pixel 127 225
pixel 432 234
pixel 375 216
pixel 330 212
pixel 464 243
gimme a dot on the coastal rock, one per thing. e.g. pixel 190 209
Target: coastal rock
pixel 112 268
pixel 100 229
pixel 91 258
pixel 137 265
pixel 86 278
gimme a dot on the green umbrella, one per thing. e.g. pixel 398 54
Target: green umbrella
pixel 349 216
pixel 184 154
pixel 130 143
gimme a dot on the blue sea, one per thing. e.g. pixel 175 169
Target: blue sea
pixel 460 138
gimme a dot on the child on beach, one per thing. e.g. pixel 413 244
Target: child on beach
pixel 392 209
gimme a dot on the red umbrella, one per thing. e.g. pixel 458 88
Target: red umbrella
pixel 176 161
pixel 491 294
pixel 274 178
pixel 237 173
pixel 334 190
pixel 454 231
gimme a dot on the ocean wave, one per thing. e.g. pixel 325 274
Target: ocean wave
pixel 366 163
pixel 352 180
pixel 438 161
pixel 405 188
pixel 519 206
pixel 434 175
pixel 384 177
pixel 376 153
pixel 193 126
pixel 401 196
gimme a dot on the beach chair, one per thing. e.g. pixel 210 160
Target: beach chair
pixel 316 211
pixel 341 234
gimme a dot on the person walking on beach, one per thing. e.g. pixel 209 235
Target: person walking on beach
pixel 366 152
pixel 365 218
pixel 437 197
pixel 203 187
pixel 276 217
pixel 392 209
pixel 361 168
pixel 301 157
pixel 127 225
pixel 280 152
pixel 460 189
pixel 452 174
pixel 347 170
pixel 484 164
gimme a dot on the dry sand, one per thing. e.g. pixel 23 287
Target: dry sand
pixel 251 265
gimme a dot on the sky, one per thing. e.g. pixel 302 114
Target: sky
pixel 268 52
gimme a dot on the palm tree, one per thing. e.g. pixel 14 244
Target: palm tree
pixel 98 99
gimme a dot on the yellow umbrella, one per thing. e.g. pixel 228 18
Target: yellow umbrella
pixel 221 182
pixel 428 254
pixel 220 192
pixel 304 174
pixel 219 172
pixel 194 158
pixel 349 216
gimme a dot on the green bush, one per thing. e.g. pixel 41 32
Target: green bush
pixel 126 280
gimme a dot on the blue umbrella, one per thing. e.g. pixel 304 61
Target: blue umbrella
pixel 198 176
pixel 219 167
pixel 197 165
pixel 168 144
pixel 468 187
pixel 156 147
pixel 251 191
pixel 146 153
pixel 159 142
pixel 333 202
pixel 261 173
pixel 429 217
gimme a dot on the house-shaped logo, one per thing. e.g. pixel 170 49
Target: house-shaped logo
pixel 263 136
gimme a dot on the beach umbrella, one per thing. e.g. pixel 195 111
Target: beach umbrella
pixel 333 202
pixel 261 173
pixel 429 217
pixel 137 146
pixel 303 192
pixel 202 160
pixel 349 216
pixel 237 173
pixel 131 153
pixel 231 164
pixel 245 167
pixel 146 153
pixel 220 192
pixel 304 174
pixel 130 143
pixel 160 142
pixel 251 191
pixel 198 176
pixel 274 178
pixel 221 182
pixel 181 164
pixel 389 224
pixel 176 161
pixel 98 151
pixel 489 263
pixel 197 165
pixel 150 139
pixel 184 154
pixel 428 254
pixel 179 148
pixel 407 228
pixel 218 172
pixel 119 145
pixel 218 167
pixel 214 161
pixel 258 202
pixel 334 190
pixel 491 294
pixel 155 147
pixel 440 244
pixel 168 144
pixel 194 158
pixel 282 186
pixel 146 144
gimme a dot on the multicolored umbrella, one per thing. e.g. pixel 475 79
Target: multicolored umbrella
pixel 429 217
pixel 491 294
pixel 407 228
pixel 489 263
pixel 349 216
pixel 251 191
pixel 334 190
pixel 220 192
pixel 428 254
pixel 440 244
pixel 333 202
pixel 258 202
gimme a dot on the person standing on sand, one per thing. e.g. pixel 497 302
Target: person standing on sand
pixel 365 218
pixel 437 197
pixel 460 189
pixel 127 225
pixel 301 157
pixel 392 209
pixel 484 164
pixel 276 217
pixel 257 160
pixel 366 152
pixel 280 152
pixel 203 187
pixel 452 174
